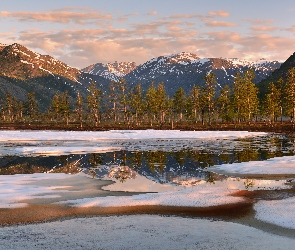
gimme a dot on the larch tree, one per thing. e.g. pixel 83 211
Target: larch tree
pixel 135 100
pixel 272 102
pixel 290 93
pixel 79 109
pixel 31 106
pixel 151 103
pixel 250 94
pixel 94 103
pixel 162 101
pixel 224 103
pixel 208 94
pixel 193 102
pixel 179 102
pixel 238 95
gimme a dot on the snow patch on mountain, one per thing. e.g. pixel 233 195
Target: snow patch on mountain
pixel 112 71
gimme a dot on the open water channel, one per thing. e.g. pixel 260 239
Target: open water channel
pixel 149 165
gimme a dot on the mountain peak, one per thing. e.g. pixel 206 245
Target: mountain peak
pixel 19 62
pixel 112 71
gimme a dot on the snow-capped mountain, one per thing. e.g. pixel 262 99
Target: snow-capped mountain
pixel 112 71
pixel 19 62
pixel 186 69
pixel 182 70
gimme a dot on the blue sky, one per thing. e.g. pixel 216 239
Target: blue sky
pixel 81 33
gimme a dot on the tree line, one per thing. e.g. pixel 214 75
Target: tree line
pixel 121 104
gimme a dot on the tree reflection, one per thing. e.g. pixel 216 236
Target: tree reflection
pixel 210 178
pixel 156 161
pixel 249 183
pixel 135 160
pixel 94 161
pixel 122 173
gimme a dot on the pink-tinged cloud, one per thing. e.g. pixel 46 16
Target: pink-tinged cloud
pixel 264 28
pixel 220 24
pixel 219 13
pixel 153 13
pixel 79 17
pixel 291 29
pixel 259 21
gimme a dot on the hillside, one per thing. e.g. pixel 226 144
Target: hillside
pixel 186 69
pixel 23 71
pixel 281 72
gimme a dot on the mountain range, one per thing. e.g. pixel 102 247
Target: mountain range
pixel 23 71
pixel 182 70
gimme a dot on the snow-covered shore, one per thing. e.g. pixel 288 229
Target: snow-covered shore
pixel 140 232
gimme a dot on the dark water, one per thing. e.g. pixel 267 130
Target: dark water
pixel 161 161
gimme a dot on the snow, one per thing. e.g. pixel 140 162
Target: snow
pixel 15 188
pixel 279 165
pixel 140 232
pixel 10 136
pixel 278 212
pixel 201 61
pixel 55 150
pixel 199 196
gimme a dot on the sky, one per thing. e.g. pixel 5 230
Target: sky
pixel 84 32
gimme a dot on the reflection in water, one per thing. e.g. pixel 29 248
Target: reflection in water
pixel 173 162
pixel 122 173
pixel 249 183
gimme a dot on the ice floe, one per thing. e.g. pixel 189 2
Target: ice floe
pixel 15 188
pixel 279 212
pixel 200 196
pixel 11 136
pixel 274 166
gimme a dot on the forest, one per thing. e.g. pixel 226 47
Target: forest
pixel 132 107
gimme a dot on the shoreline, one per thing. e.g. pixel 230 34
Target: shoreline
pixel 46 210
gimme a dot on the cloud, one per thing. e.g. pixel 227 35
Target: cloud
pixel 153 13
pixel 264 28
pixel 259 21
pixel 58 16
pixel 220 24
pixel 291 29
pixel 219 13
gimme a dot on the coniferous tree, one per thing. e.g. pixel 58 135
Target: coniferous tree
pixel 151 103
pixel 65 108
pixel 31 106
pixel 179 102
pixel 250 94
pixel 79 109
pixel 208 94
pixel 9 106
pixel 94 103
pixel 272 102
pixel 238 96
pixel 113 99
pixel 161 102
pixel 123 97
pixel 290 93
pixel 224 103
pixel 136 102
pixel 54 107
pixel 193 102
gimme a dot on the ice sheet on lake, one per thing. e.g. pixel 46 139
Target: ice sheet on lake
pixel 62 150
pixel 199 196
pixel 15 188
pixel 22 136
pixel 279 212
pixel 275 166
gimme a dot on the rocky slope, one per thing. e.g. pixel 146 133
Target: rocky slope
pixel 183 70
pixel 23 71
pixel 112 71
